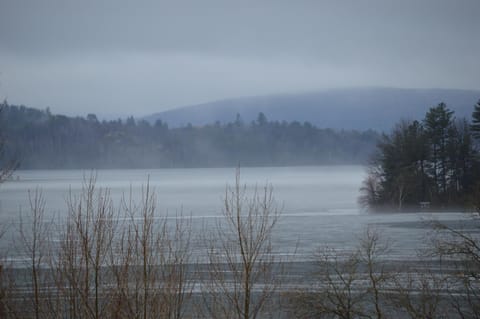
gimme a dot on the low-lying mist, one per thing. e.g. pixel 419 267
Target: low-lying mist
pixel 40 140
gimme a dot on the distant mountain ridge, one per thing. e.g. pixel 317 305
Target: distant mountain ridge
pixel 354 108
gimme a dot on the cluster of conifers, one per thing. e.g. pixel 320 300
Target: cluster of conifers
pixel 433 162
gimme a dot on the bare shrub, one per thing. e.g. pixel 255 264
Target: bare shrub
pixel 346 285
pixel 418 294
pixel 460 247
pixel 82 266
pixel 34 240
pixel 370 190
pixel 151 261
pixel 243 273
pixel 106 262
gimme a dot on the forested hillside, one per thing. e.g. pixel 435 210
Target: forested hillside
pixel 39 139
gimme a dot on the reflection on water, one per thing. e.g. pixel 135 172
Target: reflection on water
pixel 319 203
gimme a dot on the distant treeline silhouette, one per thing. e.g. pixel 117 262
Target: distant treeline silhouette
pixel 39 139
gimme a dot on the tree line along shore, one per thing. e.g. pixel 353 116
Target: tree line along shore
pixel 41 140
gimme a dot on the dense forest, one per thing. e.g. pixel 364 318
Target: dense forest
pixel 39 139
pixel 433 162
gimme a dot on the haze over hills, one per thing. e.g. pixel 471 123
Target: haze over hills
pixel 353 108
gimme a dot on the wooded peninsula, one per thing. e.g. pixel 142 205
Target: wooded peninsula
pixel 433 162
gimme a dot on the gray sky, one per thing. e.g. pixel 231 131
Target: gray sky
pixel 120 57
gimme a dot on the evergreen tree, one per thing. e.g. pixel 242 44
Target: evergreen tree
pixel 463 161
pixel 401 159
pixel 261 119
pixel 438 121
pixel 475 127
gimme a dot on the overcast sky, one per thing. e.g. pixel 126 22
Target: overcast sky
pixel 138 57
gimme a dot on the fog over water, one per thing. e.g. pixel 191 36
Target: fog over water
pixel 319 204
pixel 199 192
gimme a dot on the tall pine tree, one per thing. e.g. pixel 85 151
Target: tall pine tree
pixel 475 126
pixel 438 122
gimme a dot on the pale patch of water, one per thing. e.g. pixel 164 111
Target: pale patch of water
pixel 319 204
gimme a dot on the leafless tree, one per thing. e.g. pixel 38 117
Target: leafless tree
pixel 85 243
pixel 347 284
pixel 417 294
pixel 28 292
pixel 243 273
pixel 34 234
pixel 151 261
pixel 460 247
pixel 369 191
pixel 370 252
pixel 336 294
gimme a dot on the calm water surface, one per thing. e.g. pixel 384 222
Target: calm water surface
pixel 319 204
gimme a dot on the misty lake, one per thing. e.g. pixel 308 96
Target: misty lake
pixel 319 204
